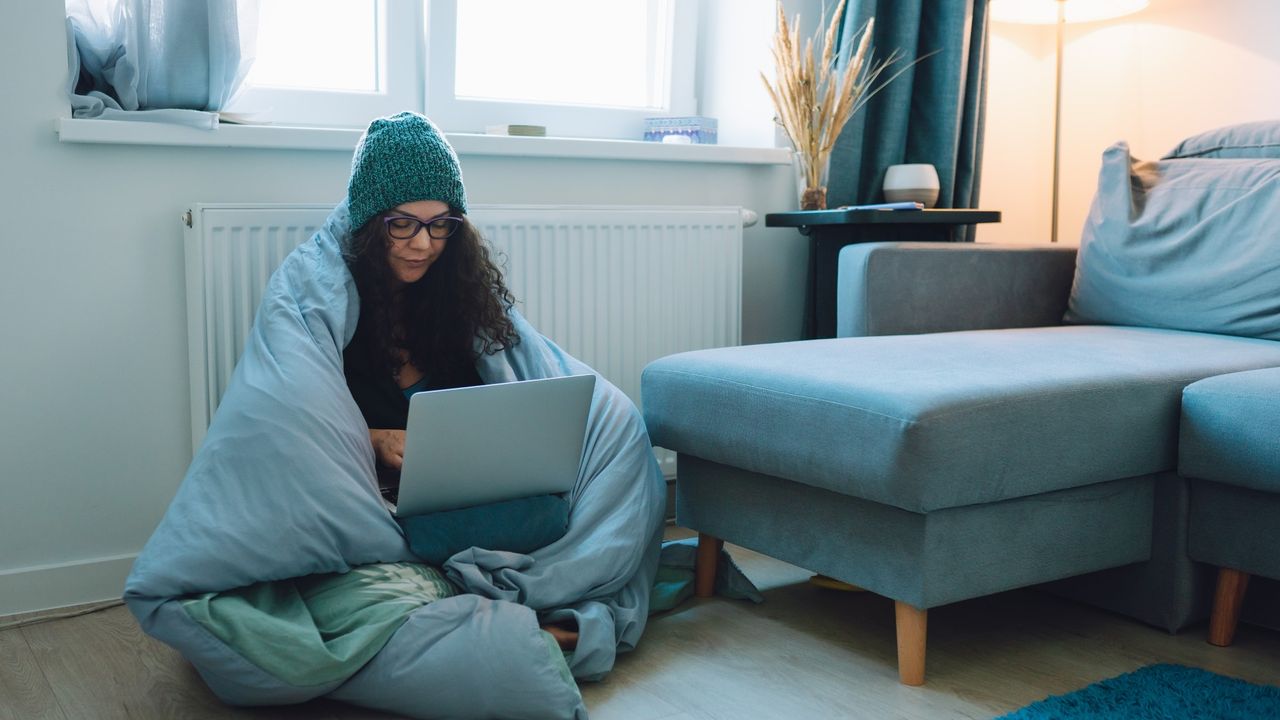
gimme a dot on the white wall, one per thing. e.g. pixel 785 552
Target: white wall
pixel 93 373
pixel 1175 69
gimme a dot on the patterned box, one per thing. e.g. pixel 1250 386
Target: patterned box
pixel 699 130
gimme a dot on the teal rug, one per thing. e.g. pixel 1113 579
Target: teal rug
pixel 1160 691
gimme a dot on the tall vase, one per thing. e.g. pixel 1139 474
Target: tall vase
pixel 811 197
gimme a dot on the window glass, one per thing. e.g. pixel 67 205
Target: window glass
pixel 318 45
pixel 575 52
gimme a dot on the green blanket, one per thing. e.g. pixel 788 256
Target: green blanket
pixel 320 628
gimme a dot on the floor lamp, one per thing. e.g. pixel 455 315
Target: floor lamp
pixel 1059 13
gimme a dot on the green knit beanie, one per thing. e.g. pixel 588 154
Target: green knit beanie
pixel 400 159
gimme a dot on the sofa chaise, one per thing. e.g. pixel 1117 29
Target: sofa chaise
pixel 1230 449
pixel 994 417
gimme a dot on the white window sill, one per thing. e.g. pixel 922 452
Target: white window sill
pixel 82 130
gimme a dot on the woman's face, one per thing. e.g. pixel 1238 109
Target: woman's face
pixel 410 259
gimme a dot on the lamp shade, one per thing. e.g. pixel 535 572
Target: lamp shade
pixel 1045 12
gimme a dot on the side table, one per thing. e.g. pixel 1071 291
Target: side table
pixel 830 230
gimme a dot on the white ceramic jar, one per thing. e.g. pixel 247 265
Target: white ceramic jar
pixel 915 182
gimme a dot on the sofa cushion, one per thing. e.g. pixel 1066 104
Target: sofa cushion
pixel 925 422
pixel 1230 430
pixel 1247 140
pixel 1182 244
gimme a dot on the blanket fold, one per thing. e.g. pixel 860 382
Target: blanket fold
pixel 321 628
pixel 284 487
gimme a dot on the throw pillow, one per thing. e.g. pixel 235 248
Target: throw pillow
pixel 1188 244
pixel 1247 140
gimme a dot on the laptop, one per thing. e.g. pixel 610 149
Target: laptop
pixel 476 445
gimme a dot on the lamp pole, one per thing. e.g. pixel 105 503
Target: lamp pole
pixel 1037 12
pixel 1057 117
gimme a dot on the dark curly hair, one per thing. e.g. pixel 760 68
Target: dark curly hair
pixel 461 298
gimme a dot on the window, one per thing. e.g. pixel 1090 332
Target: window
pixel 582 68
pixel 334 62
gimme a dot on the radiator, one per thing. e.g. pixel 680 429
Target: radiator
pixel 615 286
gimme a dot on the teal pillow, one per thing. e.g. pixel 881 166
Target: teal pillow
pixel 1187 244
pixel 522 526
pixel 1247 140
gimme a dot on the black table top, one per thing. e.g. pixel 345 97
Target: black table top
pixel 844 216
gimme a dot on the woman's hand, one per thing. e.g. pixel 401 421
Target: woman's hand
pixel 388 447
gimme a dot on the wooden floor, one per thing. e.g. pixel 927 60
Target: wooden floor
pixel 806 652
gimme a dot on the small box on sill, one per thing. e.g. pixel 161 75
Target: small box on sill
pixel 695 130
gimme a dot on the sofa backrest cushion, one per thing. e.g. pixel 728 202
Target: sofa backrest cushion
pixel 1188 244
pixel 1246 140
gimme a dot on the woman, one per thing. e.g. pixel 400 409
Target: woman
pixel 431 300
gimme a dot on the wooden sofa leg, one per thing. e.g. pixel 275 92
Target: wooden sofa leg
pixel 1227 601
pixel 704 569
pixel 911 624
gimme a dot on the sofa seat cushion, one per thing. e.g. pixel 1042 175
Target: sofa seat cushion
pixel 1231 430
pixel 924 422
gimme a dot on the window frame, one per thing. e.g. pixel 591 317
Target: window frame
pixel 400 53
pixel 455 114
pixel 416 65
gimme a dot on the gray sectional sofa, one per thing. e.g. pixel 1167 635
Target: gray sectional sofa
pixel 996 417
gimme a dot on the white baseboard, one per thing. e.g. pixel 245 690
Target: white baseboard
pixel 45 587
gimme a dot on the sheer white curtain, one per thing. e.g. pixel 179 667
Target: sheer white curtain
pixel 177 61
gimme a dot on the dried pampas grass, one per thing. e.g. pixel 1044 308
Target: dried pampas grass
pixel 813 99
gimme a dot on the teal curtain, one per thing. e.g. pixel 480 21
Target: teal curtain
pixel 932 113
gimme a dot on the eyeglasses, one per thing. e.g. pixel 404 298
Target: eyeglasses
pixel 405 227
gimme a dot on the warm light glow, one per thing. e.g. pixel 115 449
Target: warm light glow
pixel 1045 12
